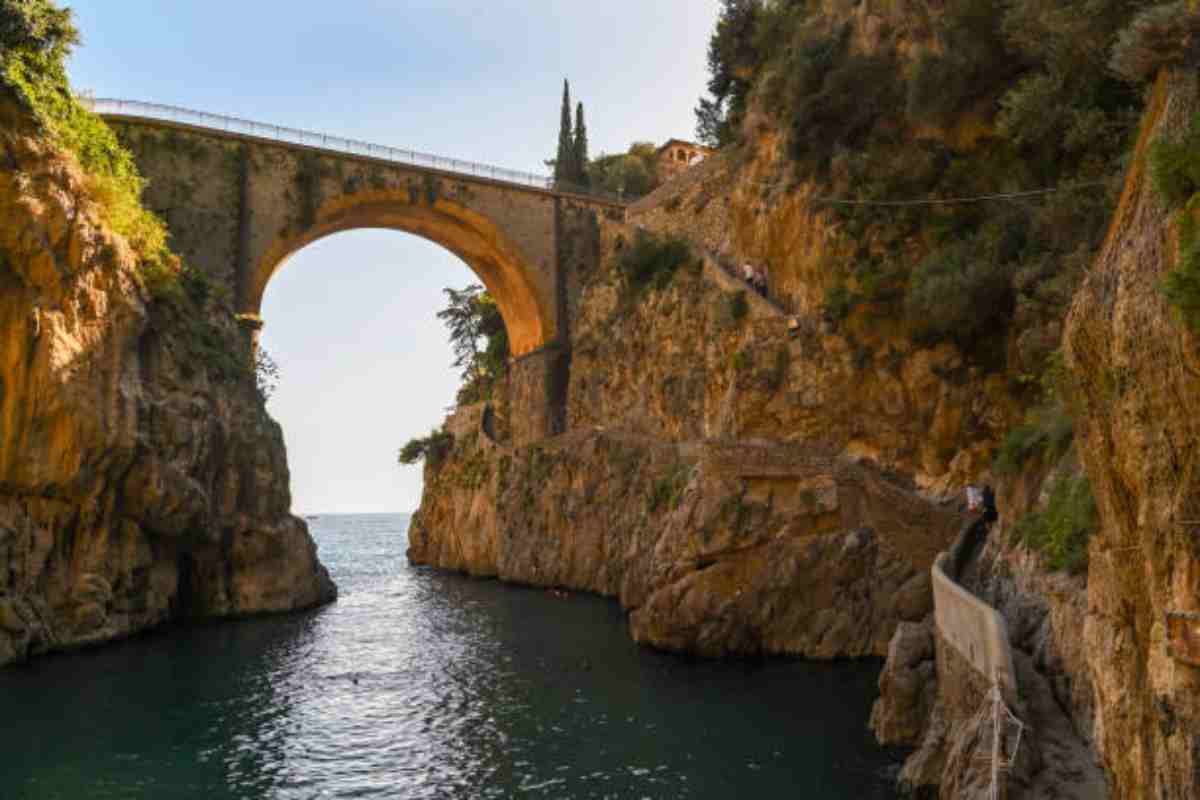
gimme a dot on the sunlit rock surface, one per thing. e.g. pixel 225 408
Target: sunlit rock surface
pixel 138 484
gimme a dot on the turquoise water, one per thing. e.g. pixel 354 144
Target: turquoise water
pixel 420 684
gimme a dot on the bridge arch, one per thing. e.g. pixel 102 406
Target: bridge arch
pixel 477 241
pixel 240 198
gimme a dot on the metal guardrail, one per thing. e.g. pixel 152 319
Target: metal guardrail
pixel 106 106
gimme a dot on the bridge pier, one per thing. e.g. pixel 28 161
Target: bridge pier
pixel 538 394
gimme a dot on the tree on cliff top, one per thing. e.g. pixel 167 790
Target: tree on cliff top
pixel 565 157
pixel 632 174
pixel 433 448
pixel 732 61
pixel 579 150
pixel 478 338
pixel 1166 35
pixel 36 26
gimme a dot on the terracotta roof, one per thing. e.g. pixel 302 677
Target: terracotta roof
pixel 670 142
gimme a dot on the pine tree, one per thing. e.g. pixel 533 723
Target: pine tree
pixel 579 161
pixel 564 161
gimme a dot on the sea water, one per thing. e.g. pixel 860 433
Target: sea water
pixel 424 684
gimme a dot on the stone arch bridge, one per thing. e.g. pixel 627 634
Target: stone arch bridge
pixel 241 197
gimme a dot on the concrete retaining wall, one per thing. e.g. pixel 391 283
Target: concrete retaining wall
pixel 974 629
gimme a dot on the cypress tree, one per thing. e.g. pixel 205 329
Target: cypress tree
pixel 564 161
pixel 580 149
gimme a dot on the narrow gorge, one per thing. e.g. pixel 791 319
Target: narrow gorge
pixel 751 477
pixel 978 221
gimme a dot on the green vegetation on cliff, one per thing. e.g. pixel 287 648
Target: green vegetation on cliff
pixel 1046 435
pixel 650 261
pixel 1162 36
pixel 480 344
pixel 964 99
pixel 432 448
pixel 35 39
pixel 631 174
pixel 1061 531
pixel 1175 171
pixel 479 340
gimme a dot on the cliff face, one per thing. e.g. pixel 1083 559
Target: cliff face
pixel 931 698
pixel 1095 645
pixel 140 479
pixel 1137 369
pixel 677 491
pixel 716 549
pixel 862 385
pixel 776 488
pixel 744 489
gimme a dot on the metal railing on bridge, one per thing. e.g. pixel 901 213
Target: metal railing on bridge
pixel 106 106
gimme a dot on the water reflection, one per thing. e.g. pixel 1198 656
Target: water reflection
pixel 421 685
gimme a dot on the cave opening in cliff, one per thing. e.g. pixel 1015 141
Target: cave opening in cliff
pixel 364 364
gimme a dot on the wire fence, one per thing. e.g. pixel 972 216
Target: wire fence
pixel 950 201
pixel 106 106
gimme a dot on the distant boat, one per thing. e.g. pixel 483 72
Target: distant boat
pixel 312 516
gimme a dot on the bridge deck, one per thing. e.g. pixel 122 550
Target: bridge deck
pixel 235 128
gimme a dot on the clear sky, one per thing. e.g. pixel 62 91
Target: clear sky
pixel 365 364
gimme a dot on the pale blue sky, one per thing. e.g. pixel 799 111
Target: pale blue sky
pixel 364 361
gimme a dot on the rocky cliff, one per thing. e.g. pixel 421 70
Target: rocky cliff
pixel 1094 645
pixel 1138 371
pixel 141 481
pixel 720 475
pixel 933 699
pixel 749 476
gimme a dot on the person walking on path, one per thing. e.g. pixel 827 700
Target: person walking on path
pixel 980 501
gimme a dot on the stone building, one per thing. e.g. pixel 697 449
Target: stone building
pixel 677 155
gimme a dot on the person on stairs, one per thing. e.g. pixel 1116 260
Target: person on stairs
pixel 990 514
pixel 983 502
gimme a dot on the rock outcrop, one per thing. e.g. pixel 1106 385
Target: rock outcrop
pixel 710 478
pixel 932 698
pixel 1098 679
pixel 141 481
pixel 1138 370
pixel 720 468
pixel 715 548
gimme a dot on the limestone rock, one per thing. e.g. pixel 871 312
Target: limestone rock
pixel 907 686
pixel 138 484
pixel 714 548
pixel 1138 369
pixel 716 552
